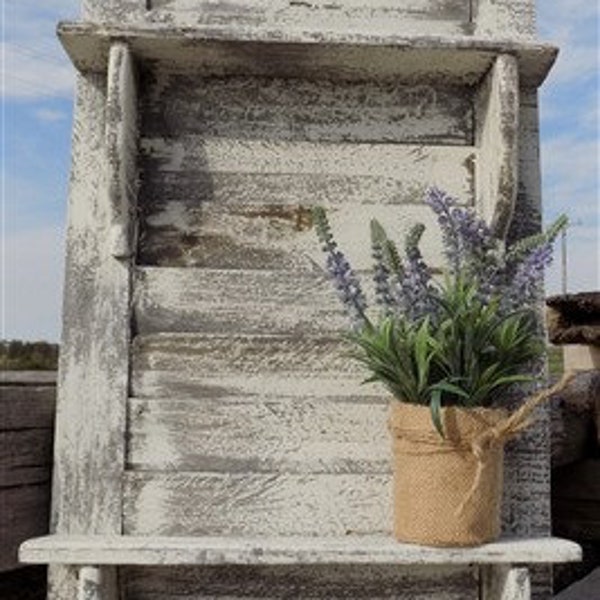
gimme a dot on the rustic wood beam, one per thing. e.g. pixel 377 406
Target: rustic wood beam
pixel 496 136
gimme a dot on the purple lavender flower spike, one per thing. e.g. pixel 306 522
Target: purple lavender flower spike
pixel 348 287
pixel 442 204
pixel 526 284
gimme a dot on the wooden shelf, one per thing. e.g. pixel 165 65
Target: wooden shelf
pixel 460 60
pixel 141 550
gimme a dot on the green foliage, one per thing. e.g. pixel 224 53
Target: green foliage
pixel 467 358
pixel 16 355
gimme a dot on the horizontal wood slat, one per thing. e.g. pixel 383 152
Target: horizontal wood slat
pixel 317 582
pixel 25 406
pixel 320 53
pixel 251 367
pixel 24 450
pixel 428 16
pixel 167 366
pixel 243 355
pixel 235 204
pixel 235 302
pixel 260 436
pixel 261 108
pixel 256 504
pixel 304 551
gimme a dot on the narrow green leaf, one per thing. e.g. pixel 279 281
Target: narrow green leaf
pixel 435 406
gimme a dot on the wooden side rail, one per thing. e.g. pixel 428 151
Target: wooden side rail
pixel 500 578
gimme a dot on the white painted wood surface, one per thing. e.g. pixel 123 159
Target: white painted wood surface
pixel 501 18
pixel 235 301
pixel 220 203
pixel 121 149
pixel 253 435
pixel 273 550
pixel 504 582
pixel 262 504
pixel 94 363
pixel 446 60
pixel 317 582
pixel 317 110
pixel 408 16
pixel 228 164
pixel 497 140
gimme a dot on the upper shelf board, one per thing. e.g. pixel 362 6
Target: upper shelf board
pixel 226 50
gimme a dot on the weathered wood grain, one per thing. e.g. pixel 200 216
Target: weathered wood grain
pixel 115 11
pixel 273 504
pixel 121 149
pixel 264 354
pixel 497 140
pixel 330 582
pixel 270 108
pixel 409 16
pixel 24 513
pixel 235 302
pixel 257 436
pixel 25 454
pixel 93 371
pixel 316 54
pixel 268 367
pixel 504 18
pixel 288 550
pixel 27 378
pixel 503 582
pixel 26 435
pixel 232 204
pixel 27 406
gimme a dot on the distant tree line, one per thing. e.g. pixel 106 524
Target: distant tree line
pixel 16 355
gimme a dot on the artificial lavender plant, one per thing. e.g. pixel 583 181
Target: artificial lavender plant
pixel 460 341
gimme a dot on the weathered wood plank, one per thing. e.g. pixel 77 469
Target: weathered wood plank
pixel 270 108
pixel 253 367
pixel 94 369
pixel 337 387
pixel 265 354
pixel 497 139
pixel 24 513
pixel 235 302
pixel 121 149
pixel 288 550
pixel 258 436
pixel 503 582
pixel 23 450
pixel 25 378
pixel 27 406
pixel 232 204
pixel 409 16
pixel 320 582
pixel 527 467
pixel 256 504
pixel 318 54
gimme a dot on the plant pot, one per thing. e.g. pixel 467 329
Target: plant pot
pixel 447 491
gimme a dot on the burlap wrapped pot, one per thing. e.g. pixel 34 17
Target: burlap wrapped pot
pixel 447 491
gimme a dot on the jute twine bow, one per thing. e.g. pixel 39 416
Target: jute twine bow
pixel 499 434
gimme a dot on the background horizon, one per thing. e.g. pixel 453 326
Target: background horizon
pixel 37 102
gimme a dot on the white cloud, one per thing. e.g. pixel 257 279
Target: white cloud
pixel 34 66
pixel 48 115
pixel 32 284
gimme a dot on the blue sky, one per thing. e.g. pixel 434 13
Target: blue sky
pixel 37 97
